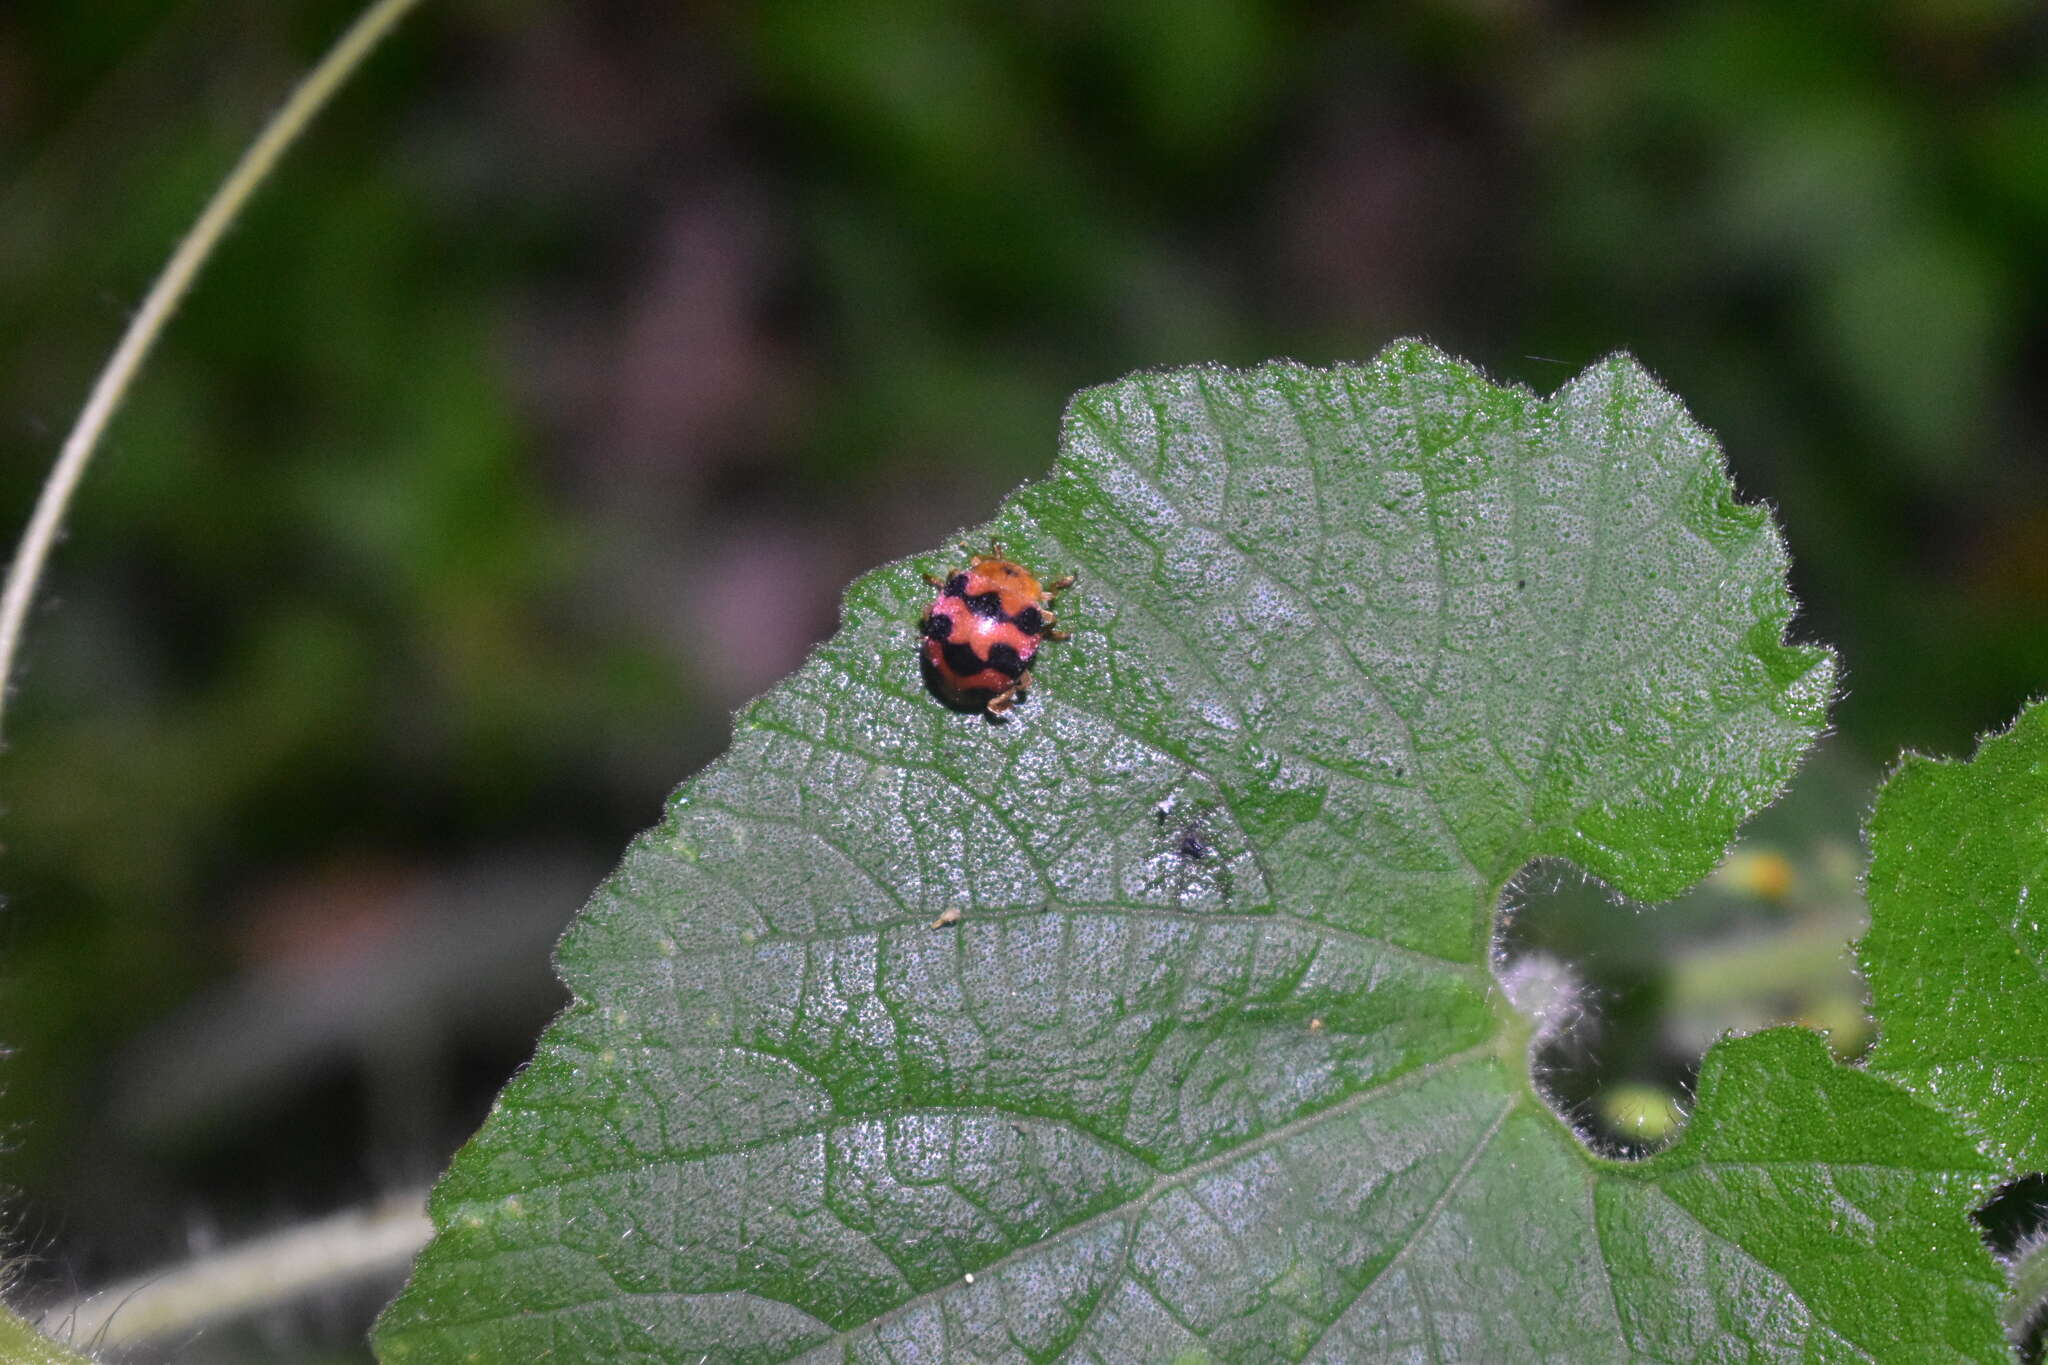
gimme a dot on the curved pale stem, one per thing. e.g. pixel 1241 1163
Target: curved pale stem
pixel 165 294
pixel 177 1300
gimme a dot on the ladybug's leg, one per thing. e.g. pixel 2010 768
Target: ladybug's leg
pixel 1051 634
pixel 1059 585
pixel 1001 702
pixel 934 580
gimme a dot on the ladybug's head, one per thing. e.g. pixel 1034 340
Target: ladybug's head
pixel 1006 575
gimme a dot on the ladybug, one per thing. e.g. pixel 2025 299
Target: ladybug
pixel 982 629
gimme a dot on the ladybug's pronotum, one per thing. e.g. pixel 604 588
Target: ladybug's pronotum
pixel 982 629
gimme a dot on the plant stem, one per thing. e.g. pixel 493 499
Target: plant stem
pixel 262 1273
pixel 169 289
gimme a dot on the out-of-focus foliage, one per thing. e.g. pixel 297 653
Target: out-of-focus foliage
pixel 1765 940
pixel 541 407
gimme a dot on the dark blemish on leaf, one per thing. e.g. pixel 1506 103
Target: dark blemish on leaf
pixel 1196 862
pixel 1521 583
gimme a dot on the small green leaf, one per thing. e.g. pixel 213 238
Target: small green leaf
pixel 1957 955
pixel 21 1344
pixel 1210 1065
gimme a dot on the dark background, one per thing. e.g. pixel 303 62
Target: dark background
pixel 537 412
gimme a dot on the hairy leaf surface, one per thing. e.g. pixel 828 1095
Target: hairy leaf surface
pixel 1212 1065
pixel 1956 954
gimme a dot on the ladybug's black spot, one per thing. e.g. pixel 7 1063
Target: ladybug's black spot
pixel 1005 660
pixel 962 659
pixel 956 586
pixel 1030 620
pixel 969 700
pixel 938 626
pixel 985 603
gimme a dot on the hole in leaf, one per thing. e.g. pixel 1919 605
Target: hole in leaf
pixel 2016 1214
pixel 2014 1222
pixel 1626 998
pixel 2031 1340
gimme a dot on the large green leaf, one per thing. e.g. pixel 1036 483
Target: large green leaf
pixel 1213 1066
pixel 1956 954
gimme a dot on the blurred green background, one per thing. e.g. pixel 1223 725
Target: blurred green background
pixel 537 412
